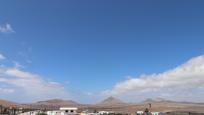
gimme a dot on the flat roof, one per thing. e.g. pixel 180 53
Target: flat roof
pixel 68 108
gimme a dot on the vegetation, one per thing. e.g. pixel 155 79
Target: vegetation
pixel 41 114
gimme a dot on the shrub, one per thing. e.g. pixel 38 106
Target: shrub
pixel 41 114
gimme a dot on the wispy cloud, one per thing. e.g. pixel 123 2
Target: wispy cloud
pixel 14 80
pixel 185 82
pixel 6 28
pixel 2 57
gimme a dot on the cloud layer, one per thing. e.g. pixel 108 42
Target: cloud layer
pixel 185 82
pixel 26 86
pixel 6 28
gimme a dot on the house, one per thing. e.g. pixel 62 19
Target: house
pixel 69 110
pixel 64 111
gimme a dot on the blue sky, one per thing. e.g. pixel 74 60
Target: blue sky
pixel 91 46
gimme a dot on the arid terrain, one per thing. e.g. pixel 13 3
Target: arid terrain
pixel 113 104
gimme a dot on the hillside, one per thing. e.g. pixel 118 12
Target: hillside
pixel 113 104
pixel 7 103
pixel 51 104
pixel 58 102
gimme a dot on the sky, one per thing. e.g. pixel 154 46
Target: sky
pixel 89 50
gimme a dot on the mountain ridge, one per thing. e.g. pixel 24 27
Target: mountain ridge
pixel 7 103
pixel 158 104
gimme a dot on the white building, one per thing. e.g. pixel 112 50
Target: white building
pixel 64 111
pixel 155 113
pixel 53 112
pixel 139 112
pixel 105 112
pixel 30 113
pixel 89 112
pixel 69 110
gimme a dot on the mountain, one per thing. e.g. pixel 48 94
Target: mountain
pixel 113 104
pixel 51 104
pixel 157 100
pixel 111 101
pixel 7 103
pixel 58 102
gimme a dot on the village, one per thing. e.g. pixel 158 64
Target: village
pixel 74 111
pixel 14 110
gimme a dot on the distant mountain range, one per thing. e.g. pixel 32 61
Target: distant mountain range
pixel 111 103
pixel 156 100
pixel 58 102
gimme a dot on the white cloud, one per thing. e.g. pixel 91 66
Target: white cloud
pixel 21 85
pixel 2 57
pixel 6 28
pixel 4 90
pixel 185 82
pixel 30 86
